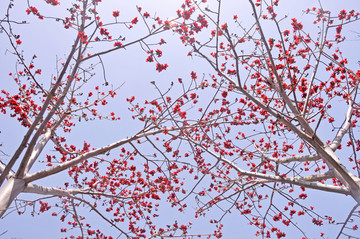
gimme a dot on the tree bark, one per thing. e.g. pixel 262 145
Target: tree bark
pixel 12 188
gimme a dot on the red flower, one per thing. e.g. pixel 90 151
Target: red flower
pixel 52 2
pixel 32 10
pixel 134 21
pixel 193 75
pixel 149 59
pixel 116 13
pixel 342 14
pixel 303 196
pixel 296 25
pixel 183 227
pixel 162 41
pixel 104 31
pixel 158 53
pixel 161 67
pixel 338 29
pixel 117 44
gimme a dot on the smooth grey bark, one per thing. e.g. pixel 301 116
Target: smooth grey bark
pixel 11 189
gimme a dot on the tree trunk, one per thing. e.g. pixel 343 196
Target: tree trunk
pixel 12 188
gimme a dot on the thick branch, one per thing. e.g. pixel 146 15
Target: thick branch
pixel 336 142
pixel 2 168
pixel 292 180
pixel 39 117
pixel 300 181
pixel 318 177
pixel 38 189
pixel 93 153
pixel 296 158
pixel 38 149
pixel 11 189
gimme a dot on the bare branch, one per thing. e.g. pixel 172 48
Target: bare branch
pixel 347 220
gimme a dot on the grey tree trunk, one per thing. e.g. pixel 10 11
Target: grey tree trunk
pixel 12 188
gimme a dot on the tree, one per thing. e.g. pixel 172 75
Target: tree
pixel 255 136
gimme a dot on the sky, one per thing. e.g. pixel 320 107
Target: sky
pixel 50 42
